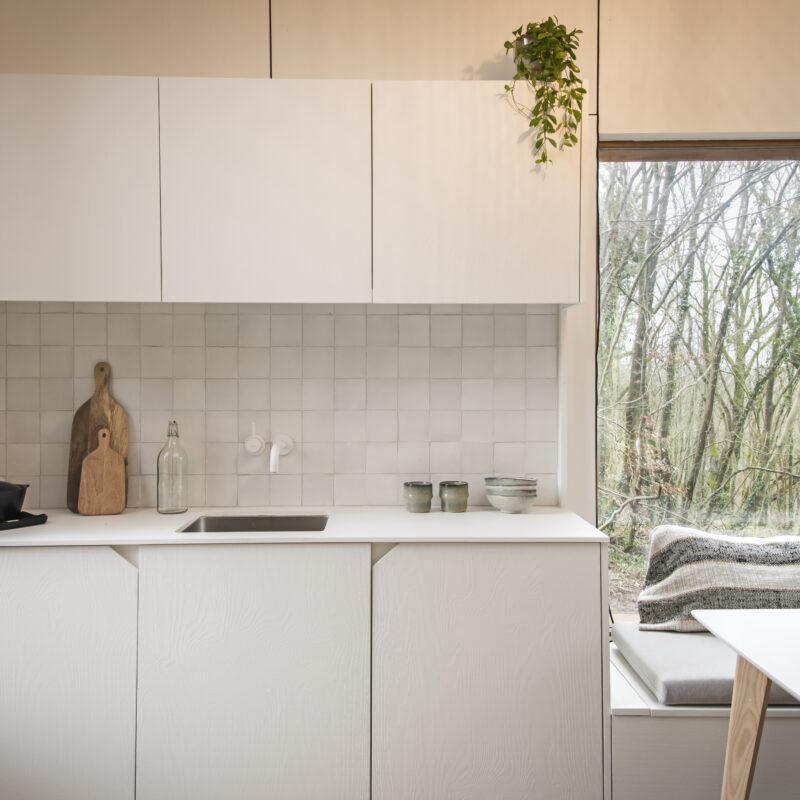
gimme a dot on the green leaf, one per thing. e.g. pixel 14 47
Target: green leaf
pixel 557 89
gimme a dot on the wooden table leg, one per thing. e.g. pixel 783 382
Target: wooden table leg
pixel 750 694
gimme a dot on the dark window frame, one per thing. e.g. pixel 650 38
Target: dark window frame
pixel 700 150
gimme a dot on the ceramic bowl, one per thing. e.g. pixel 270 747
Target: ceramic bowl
pixel 510 491
pixel 528 483
pixel 510 505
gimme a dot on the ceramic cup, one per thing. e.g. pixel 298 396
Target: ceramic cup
pixel 418 496
pixel 453 495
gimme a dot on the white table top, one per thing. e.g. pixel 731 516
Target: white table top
pixel 768 638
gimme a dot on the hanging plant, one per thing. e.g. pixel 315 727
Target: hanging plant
pixel 544 54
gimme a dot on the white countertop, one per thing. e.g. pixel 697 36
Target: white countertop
pixel 346 524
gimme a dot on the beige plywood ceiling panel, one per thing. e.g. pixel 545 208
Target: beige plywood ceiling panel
pixel 227 38
pixel 698 68
pixel 416 39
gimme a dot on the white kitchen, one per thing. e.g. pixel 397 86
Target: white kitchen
pixel 315 236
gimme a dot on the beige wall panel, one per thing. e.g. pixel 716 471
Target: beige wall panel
pixel 135 37
pixel 416 39
pixel 698 68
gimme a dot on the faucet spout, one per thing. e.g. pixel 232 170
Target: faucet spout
pixel 274 456
pixel 281 445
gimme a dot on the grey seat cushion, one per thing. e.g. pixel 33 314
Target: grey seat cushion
pixel 683 668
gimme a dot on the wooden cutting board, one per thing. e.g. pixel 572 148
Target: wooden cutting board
pixel 100 411
pixel 102 487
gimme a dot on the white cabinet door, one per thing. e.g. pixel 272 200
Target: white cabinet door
pixel 254 672
pixel 461 213
pixel 265 190
pixel 487 672
pixel 67 674
pixel 79 208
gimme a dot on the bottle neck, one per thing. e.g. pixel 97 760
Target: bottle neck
pixel 172 430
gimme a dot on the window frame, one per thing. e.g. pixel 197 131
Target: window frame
pixel 696 151
pixel 579 323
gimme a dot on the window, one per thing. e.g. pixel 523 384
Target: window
pixel 698 361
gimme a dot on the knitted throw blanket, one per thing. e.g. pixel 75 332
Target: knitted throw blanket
pixel 691 569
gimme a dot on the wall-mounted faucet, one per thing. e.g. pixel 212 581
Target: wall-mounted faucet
pixel 281 445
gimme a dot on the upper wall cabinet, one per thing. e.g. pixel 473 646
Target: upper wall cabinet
pixel 79 215
pixel 461 212
pixel 265 190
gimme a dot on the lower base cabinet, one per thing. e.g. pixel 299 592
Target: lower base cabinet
pixel 254 672
pixel 486 672
pixel 457 671
pixel 67 674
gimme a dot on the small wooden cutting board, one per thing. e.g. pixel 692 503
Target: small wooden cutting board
pixel 102 487
pixel 99 411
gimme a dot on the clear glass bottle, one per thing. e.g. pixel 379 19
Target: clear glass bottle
pixel 173 475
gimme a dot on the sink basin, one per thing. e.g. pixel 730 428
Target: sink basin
pixel 264 523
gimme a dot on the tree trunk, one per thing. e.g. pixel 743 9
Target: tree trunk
pixel 637 409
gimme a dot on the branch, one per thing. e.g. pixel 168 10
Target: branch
pixel 730 477
pixel 630 500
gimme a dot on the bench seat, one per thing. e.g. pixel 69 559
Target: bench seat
pixel 683 668
pixel 664 752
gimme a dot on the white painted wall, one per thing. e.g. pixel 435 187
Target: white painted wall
pixel 577 368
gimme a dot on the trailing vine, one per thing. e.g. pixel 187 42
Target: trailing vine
pixel 544 54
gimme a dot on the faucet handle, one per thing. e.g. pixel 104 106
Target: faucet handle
pixel 254 444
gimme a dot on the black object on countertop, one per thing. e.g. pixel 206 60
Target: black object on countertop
pixel 11 513
pixel 11 498
pixel 23 520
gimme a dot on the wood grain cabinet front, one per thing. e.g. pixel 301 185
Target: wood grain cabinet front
pixel 461 214
pixel 79 207
pixel 455 671
pixel 487 672
pixel 67 674
pixel 254 672
pixel 265 190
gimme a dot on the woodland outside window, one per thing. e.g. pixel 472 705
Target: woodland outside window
pixel 698 360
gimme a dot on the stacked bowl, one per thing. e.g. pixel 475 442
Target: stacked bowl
pixel 511 495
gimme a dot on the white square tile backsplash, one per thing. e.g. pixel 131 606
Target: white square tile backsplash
pixel 372 395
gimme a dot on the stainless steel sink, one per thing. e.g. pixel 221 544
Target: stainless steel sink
pixel 264 523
